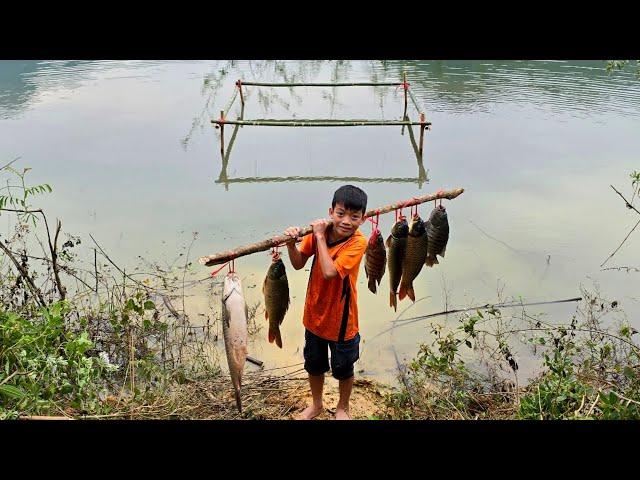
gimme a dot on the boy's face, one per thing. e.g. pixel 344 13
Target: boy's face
pixel 345 222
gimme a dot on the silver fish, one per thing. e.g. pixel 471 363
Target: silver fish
pixel 234 329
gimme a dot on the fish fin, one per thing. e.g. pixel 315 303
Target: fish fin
pixel 366 272
pixel 238 399
pixel 392 301
pixel 388 242
pixel 275 335
pixel 372 285
pixel 431 261
pixel 410 293
pixel 266 314
pixel 403 292
pixel 442 252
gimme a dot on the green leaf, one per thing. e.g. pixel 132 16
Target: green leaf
pixel 11 391
pixel 629 373
pixel 149 305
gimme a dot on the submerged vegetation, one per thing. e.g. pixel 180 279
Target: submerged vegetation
pixel 590 369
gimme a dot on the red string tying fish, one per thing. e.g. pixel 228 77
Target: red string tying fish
pixel 375 223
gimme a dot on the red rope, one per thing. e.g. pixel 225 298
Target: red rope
pixel 376 222
pixel 213 274
pixel 404 85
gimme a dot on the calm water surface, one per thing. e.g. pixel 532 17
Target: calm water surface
pixel 133 160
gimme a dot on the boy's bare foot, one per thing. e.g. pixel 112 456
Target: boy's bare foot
pixel 342 414
pixel 309 413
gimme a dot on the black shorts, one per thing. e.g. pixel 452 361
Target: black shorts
pixel 343 355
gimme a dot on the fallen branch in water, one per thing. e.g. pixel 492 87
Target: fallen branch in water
pixel 35 291
pixel 43 417
pixel 407 321
pixel 628 205
pixel 265 245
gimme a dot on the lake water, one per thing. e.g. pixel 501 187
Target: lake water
pixel 132 157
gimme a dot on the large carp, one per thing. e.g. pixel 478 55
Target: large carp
pixel 396 245
pixel 276 298
pixel 438 233
pixel 414 257
pixel 375 260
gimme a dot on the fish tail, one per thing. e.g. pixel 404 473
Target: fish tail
pixel 274 334
pixel 403 292
pixel 410 293
pixel 238 399
pixel 372 284
pixel 393 302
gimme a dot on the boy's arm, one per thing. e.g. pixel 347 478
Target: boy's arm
pixel 326 262
pixel 297 258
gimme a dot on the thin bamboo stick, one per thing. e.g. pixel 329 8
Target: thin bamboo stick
pixel 422 127
pixel 222 133
pixel 415 102
pixel 319 179
pixel 358 84
pixel 317 123
pixel 239 85
pixel 264 245
pixel 230 103
pixel 404 87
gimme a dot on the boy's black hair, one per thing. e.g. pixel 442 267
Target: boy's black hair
pixel 351 197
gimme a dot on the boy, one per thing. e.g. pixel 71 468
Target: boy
pixel 331 310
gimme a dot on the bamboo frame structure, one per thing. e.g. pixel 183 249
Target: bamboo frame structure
pixel 224 179
pixel 224 257
pixel 220 122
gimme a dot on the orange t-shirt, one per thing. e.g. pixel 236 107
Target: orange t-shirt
pixel 331 307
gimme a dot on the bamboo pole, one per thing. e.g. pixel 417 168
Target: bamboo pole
pixel 318 179
pixel 264 245
pixel 422 127
pixel 221 123
pixel 405 88
pixel 227 109
pixel 339 84
pixel 239 85
pixel 422 174
pixel 415 102
pixel 317 123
